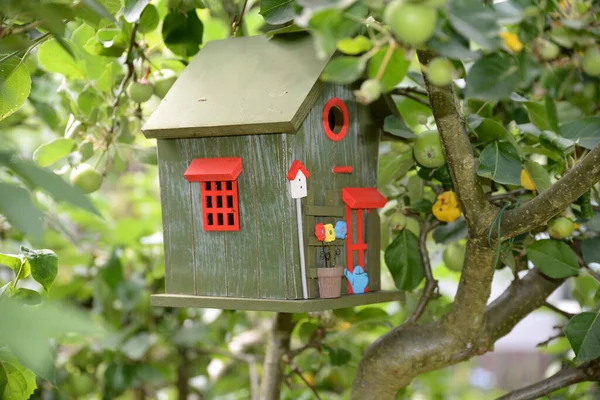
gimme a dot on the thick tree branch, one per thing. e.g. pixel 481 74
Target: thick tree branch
pixel 563 192
pixel 410 350
pixel 278 344
pixel 589 371
pixel 459 152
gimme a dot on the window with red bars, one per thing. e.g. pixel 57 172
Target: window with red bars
pixel 220 206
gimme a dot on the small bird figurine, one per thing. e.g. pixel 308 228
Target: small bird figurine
pixel 358 279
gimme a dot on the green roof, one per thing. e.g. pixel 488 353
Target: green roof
pixel 241 86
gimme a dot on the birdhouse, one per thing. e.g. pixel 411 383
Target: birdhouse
pixel 255 153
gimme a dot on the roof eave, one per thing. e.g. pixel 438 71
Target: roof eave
pixel 218 131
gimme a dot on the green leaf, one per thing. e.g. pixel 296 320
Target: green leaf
pixel 53 184
pixel 99 9
pixel 112 271
pixel 585 132
pixel 137 346
pixel 343 69
pixel 403 259
pixel 500 162
pixel 331 25
pixel 552 141
pixel 44 266
pixel 16 381
pixel 475 21
pixel 583 332
pixel 493 77
pixel 26 296
pixel 488 129
pixel 539 176
pixel 590 249
pixel 133 9
pixel 395 70
pixel 395 126
pixel 450 233
pixel 49 153
pixel 452 45
pixel 182 34
pixel 538 114
pixel 15 85
pixel 554 258
pixel 339 356
pixel 16 206
pixel 551 113
pixel 12 261
pixel 54 58
pixel 149 19
pixel 355 45
pixel 277 12
pixel 27 330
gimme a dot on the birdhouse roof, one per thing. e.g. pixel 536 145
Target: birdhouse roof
pixel 295 168
pixel 214 169
pixel 363 198
pixel 241 86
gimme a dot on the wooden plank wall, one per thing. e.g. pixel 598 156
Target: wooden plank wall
pixel 358 149
pixel 253 262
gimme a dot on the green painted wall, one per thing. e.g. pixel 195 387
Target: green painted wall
pixel 261 260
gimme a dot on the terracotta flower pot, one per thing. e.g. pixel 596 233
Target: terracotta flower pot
pixel 330 282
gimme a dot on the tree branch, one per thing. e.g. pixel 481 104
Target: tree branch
pixel 589 371
pixel 459 152
pixel 557 310
pixel 278 344
pixel 430 283
pixel 554 200
pixel 410 350
pixel 411 93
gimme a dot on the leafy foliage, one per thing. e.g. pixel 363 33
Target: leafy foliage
pixel 66 99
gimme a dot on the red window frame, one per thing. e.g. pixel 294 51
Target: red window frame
pixel 220 211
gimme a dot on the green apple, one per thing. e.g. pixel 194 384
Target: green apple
pixel 560 228
pixel 591 61
pixel 163 81
pixel 428 150
pixel 440 71
pixel 548 50
pixel 454 256
pixel 140 92
pixel 398 222
pixel 370 90
pixel 86 178
pixel 411 23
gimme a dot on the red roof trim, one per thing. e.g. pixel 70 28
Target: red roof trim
pixel 214 169
pixel 363 198
pixel 297 166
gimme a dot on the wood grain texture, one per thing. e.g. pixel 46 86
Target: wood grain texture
pixel 209 247
pixel 175 196
pixel 241 86
pixel 277 305
pixel 374 250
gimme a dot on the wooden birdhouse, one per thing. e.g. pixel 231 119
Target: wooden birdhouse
pixel 268 182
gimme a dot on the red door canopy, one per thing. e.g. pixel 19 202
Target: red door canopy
pixel 214 169
pixel 364 198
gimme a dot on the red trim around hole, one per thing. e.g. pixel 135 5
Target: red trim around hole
pixel 339 103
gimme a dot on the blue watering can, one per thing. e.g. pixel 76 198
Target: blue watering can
pixel 358 279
